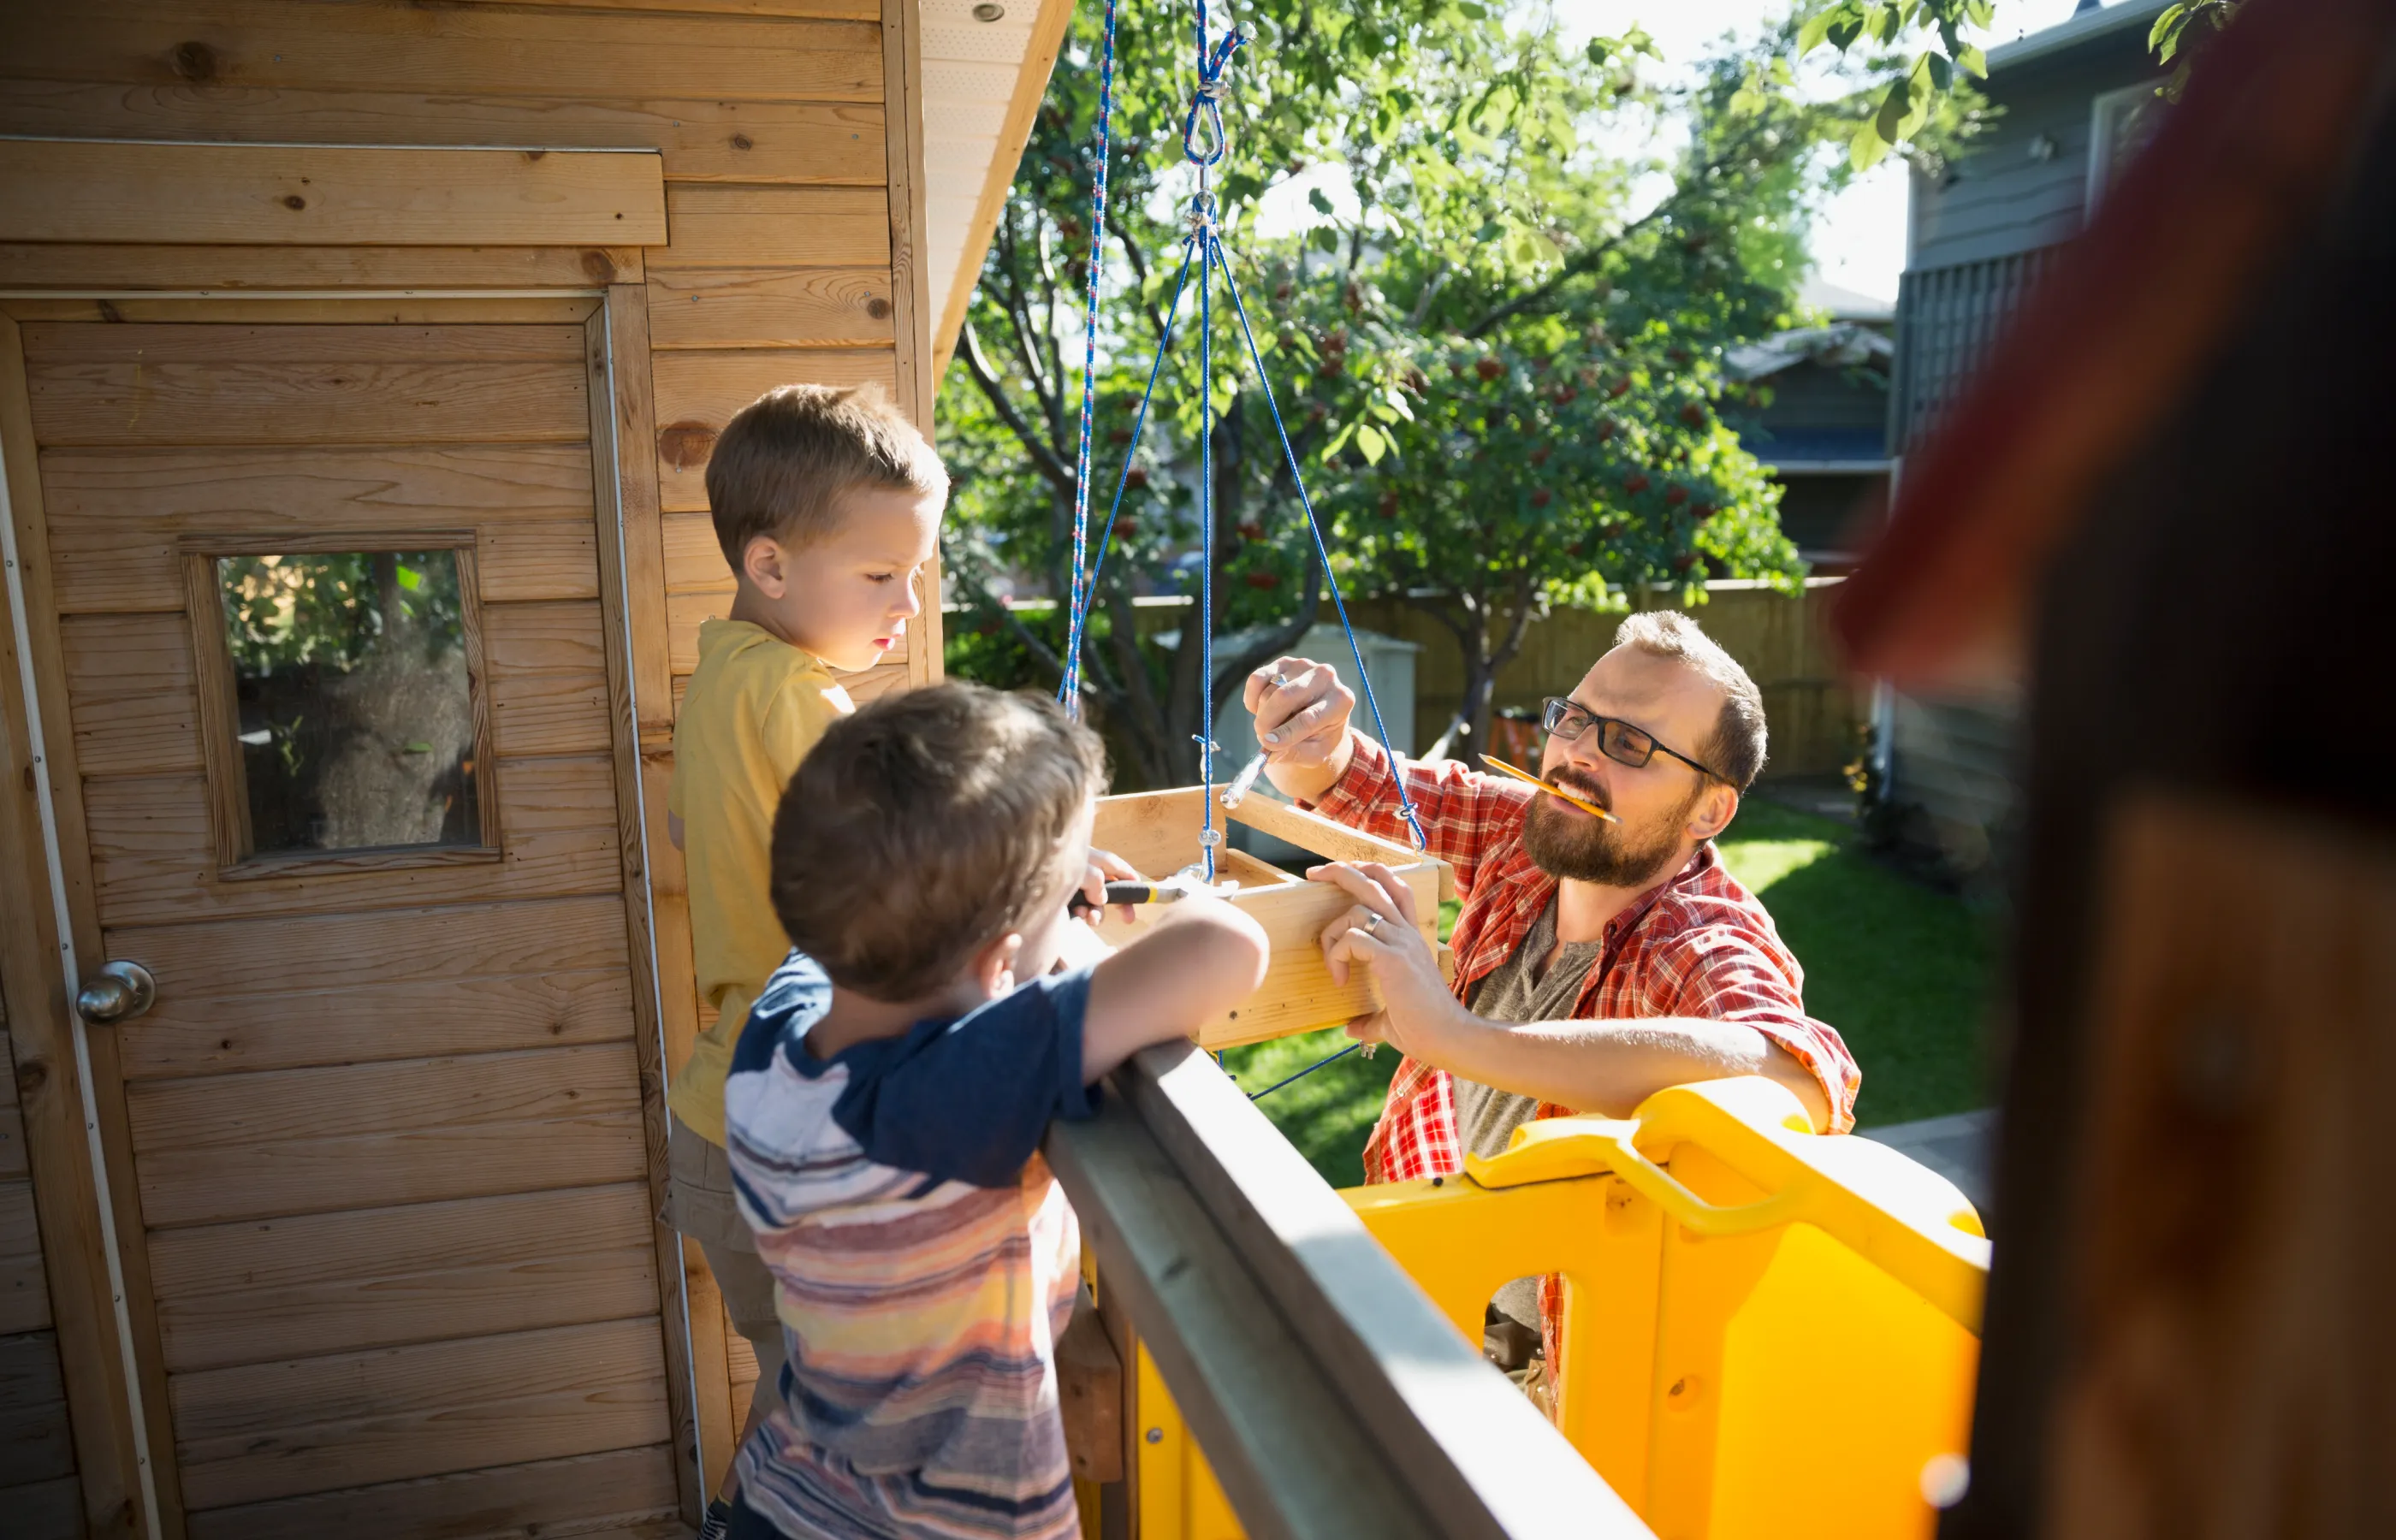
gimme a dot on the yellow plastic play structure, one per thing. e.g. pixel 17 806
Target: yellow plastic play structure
pixel 1767 1331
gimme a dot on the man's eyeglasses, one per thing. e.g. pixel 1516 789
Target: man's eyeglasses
pixel 1617 739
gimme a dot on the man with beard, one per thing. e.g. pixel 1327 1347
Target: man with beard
pixel 1597 963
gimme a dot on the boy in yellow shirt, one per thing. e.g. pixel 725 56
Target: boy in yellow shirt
pixel 827 505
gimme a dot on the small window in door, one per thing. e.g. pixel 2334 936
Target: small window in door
pixel 341 705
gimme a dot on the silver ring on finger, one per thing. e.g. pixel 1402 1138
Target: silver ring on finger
pixel 1280 681
pixel 1373 925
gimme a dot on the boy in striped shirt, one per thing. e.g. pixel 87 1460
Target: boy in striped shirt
pixel 888 1099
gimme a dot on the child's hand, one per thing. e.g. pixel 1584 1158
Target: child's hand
pixel 1090 900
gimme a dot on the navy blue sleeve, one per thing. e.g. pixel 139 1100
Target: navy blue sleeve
pixel 969 1100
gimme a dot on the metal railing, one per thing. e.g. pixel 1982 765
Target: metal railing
pixel 1945 319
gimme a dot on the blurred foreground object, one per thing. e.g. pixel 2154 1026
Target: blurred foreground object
pixel 2199 1219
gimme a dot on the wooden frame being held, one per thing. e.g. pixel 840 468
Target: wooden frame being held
pixel 219 716
pixel 1158 833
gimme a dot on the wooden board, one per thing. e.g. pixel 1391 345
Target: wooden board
pixel 701 139
pixel 236 268
pixel 698 392
pixel 693 561
pixel 341 1283
pixel 233 959
pixel 316 1141
pixel 24 1291
pixel 203 195
pixel 770 307
pixel 187 1035
pixel 1157 832
pixel 545 1496
pixel 748 227
pixel 34 1446
pixel 193 491
pixel 310 1425
pixel 469 51
pixel 221 342
pixel 154 857
pixel 139 403
pixel 104 565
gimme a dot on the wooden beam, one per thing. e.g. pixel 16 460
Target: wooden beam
pixel 1049 29
pixel 72 266
pixel 632 568
pixel 911 290
pixel 102 1398
pixel 1331 1396
pixel 198 194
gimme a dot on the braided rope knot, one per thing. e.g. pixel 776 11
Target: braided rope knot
pixel 1208 97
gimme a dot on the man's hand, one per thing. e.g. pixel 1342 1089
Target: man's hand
pixel 1302 714
pixel 1380 933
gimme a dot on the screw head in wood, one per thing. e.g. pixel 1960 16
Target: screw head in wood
pixel 989 10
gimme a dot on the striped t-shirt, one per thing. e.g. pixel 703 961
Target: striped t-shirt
pixel 924 1260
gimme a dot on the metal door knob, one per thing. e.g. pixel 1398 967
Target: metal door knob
pixel 119 991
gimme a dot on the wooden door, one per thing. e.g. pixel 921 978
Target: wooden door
pixel 327 597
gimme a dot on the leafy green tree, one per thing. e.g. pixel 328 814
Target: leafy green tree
pixel 1500 368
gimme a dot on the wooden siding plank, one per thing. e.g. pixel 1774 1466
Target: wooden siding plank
pixel 800 142
pixel 339 1283
pixel 13 1164
pixel 204 342
pixel 698 392
pixel 207 1035
pixel 821 10
pixel 24 265
pixel 770 308
pixel 24 1291
pixel 297 343
pixel 155 858
pixel 550 713
pixel 214 1150
pixel 693 561
pixel 242 195
pixel 34 1440
pixel 542 1497
pixel 47 1510
pixel 223 959
pixel 130 687
pixel 452 51
pixel 436 487
pixel 130 566
pixel 283 1429
pixel 719 226
pixel 134 404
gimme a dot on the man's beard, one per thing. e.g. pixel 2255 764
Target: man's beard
pixel 1571 845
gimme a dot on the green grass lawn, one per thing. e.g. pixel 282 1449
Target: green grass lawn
pixel 1899 969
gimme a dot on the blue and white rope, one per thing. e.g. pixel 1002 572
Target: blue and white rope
pixel 1070 693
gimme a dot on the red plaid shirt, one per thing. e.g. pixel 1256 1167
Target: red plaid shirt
pixel 1695 945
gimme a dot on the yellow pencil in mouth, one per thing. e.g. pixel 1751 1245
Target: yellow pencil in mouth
pixel 1590 807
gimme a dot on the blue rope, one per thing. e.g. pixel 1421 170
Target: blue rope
pixel 1085 594
pixel 1314 526
pixel 1070 693
pixel 1307 1071
pixel 1209 94
pixel 1208 836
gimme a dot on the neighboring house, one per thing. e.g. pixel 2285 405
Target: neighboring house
pixel 1824 431
pixel 2076 102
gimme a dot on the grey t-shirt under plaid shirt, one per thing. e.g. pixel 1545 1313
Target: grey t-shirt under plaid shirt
pixel 1521 990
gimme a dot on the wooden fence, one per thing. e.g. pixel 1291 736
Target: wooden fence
pixel 1781 638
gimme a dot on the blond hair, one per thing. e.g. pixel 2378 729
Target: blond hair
pixel 782 463
pixel 924 827
pixel 1736 750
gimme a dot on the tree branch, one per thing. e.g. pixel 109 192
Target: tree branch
pixel 1585 260
pixel 1044 459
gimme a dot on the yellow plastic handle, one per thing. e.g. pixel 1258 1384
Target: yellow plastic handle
pixel 1794 1205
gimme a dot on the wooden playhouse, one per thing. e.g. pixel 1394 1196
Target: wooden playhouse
pixel 349 1232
